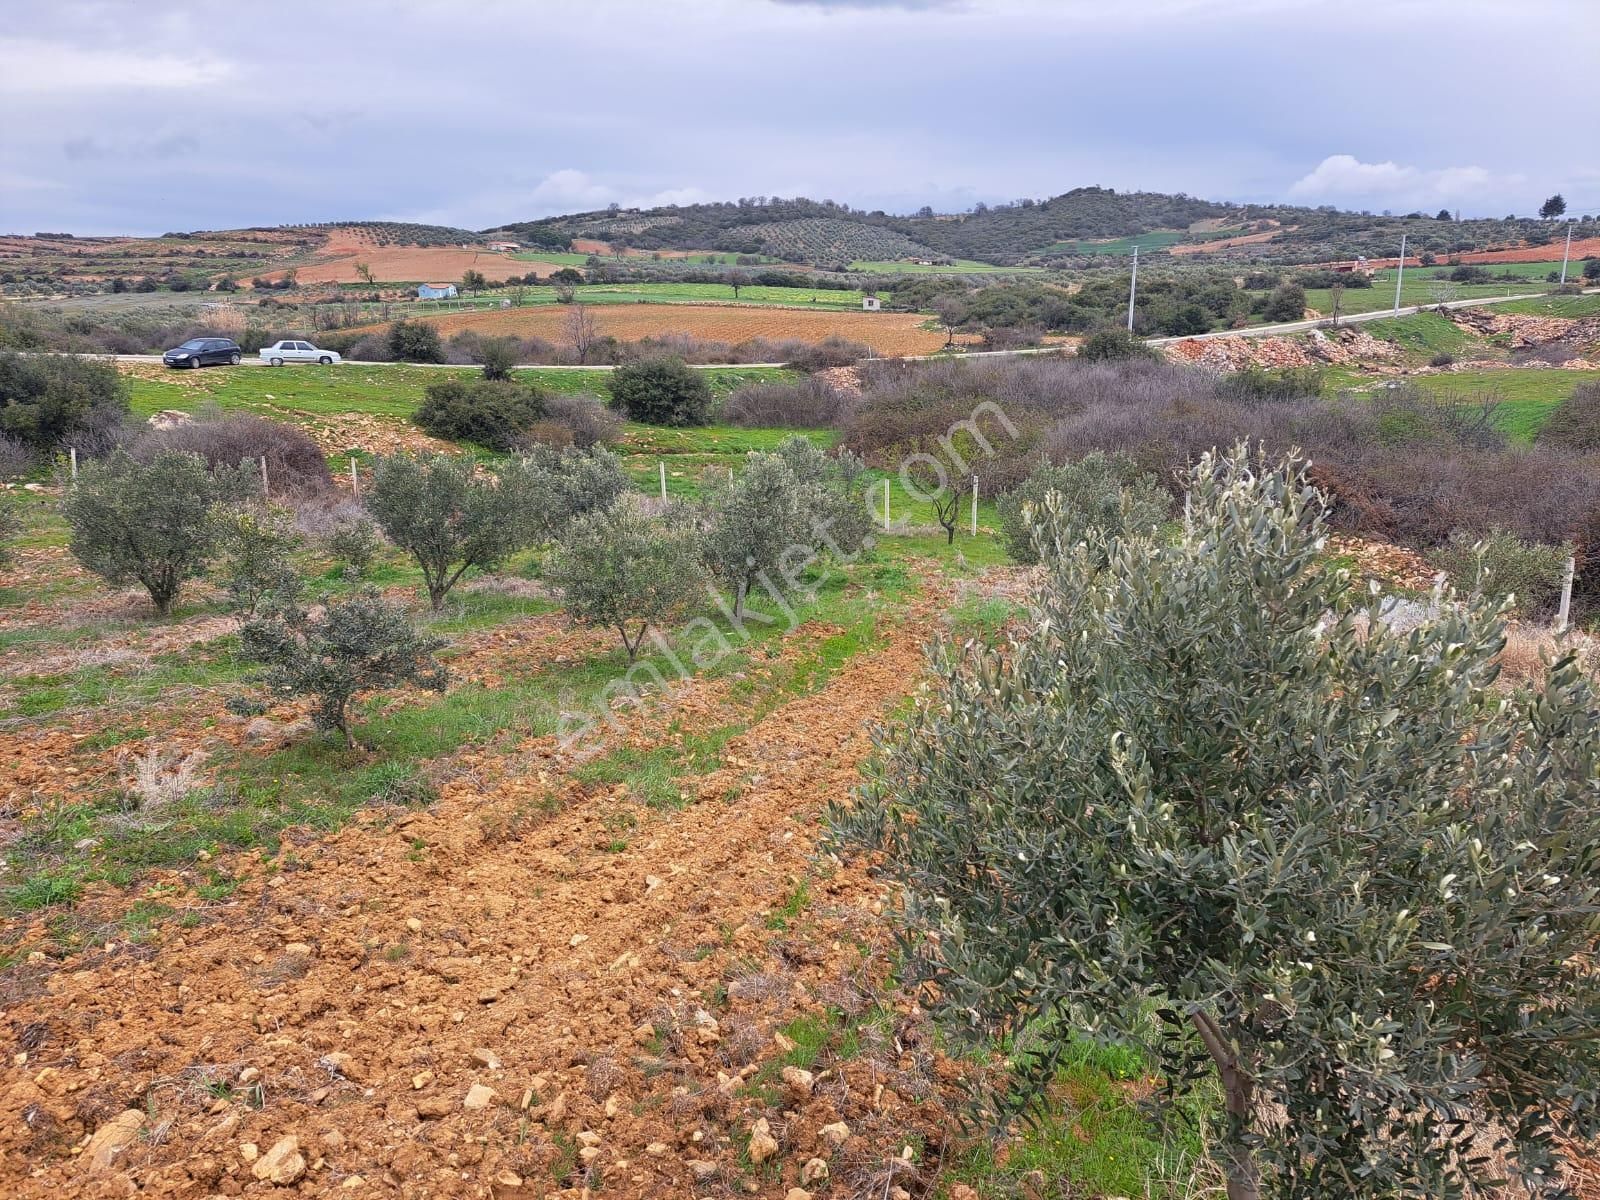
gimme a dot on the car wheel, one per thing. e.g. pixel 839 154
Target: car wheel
pixel 233 360
pixel 325 361
pixel 194 363
pixel 277 362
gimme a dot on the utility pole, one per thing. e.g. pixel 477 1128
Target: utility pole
pixel 1566 254
pixel 1400 272
pixel 1133 285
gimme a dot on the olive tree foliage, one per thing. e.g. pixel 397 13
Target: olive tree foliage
pixel 446 515
pixel 253 545
pixel 147 523
pixel 619 569
pixel 1355 881
pixel 356 644
pixel 756 526
pixel 832 494
pixel 553 487
pixel 1105 492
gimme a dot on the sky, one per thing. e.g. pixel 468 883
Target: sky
pixel 138 118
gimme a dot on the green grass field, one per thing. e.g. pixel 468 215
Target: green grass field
pixel 1525 394
pixel 1156 239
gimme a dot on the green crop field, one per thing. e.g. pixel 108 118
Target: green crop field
pixel 1157 239
pixel 960 266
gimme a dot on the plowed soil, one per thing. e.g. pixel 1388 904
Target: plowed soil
pixel 1550 253
pixel 491 998
pixel 886 333
pixel 417 264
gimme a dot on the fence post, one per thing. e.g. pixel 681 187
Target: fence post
pixel 663 465
pixel 974 506
pixel 73 452
pixel 266 492
pixel 1566 595
pixel 355 480
pixel 886 506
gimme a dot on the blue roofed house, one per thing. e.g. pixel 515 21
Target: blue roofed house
pixel 436 291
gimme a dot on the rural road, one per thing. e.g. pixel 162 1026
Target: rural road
pixel 1251 332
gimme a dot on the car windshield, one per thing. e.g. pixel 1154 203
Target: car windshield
pixel 194 344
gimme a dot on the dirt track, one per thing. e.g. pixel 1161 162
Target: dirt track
pixel 621 1005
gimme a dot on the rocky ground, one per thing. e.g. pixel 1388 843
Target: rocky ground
pixel 494 996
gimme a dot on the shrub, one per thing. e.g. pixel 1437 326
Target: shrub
pixel 1110 343
pixel 499 356
pixel 617 568
pixel 10 530
pixel 440 512
pixel 661 391
pixel 1574 424
pixel 495 414
pixel 356 544
pixel 1441 360
pixel 414 341
pixel 554 486
pixel 1257 384
pixel 831 351
pixel 295 463
pixel 53 401
pixel 253 542
pixel 15 457
pixel 1348 874
pixel 1287 302
pixel 146 523
pixel 587 421
pixel 799 404
pixel 1098 496
pixel 362 643
pixel 1526 575
pixel 754 520
pixel 833 500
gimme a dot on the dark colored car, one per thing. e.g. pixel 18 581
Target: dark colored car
pixel 200 352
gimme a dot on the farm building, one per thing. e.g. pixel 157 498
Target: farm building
pixel 436 291
pixel 505 247
pixel 870 303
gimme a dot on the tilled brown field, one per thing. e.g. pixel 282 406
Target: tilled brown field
pixel 886 333
pixel 489 997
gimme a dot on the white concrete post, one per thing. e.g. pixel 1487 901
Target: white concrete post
pixel 74 455
pixel 974 506
pixel 886 506
pixel 1566 595
pixel 355 480
pixel 265 490
pixel 663 465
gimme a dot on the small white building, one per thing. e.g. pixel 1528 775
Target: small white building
pixel 505 247
pixel 870 304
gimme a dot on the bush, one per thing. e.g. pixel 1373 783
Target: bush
pixel 439 511
pixel 499 356
pixel 754 519
pixel 1441 360
pixel 1110 344
pixel 1524 574
pixel 15 457
pixel 617 568
pixel 355 544
pixel 362 643
pixel 798 404
pixel 414 341
pixel 146 523
pixel 587 422
pixel 1257 384
pixel 1286 303
pixel 661 391
pixel 496 414
pixel 10 530
pixel 555 486
pixel 831 351
pixel 50 402
pixel 295 463
pixel 254 542
pixel 1351 878
pixel 833 500
pixel 1574 424
pixel 1098 496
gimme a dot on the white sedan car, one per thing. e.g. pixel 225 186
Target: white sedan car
pixel 279 353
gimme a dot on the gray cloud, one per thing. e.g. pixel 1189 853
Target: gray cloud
pixel 300 110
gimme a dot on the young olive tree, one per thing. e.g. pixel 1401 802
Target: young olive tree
pixel 832 496
pixel 361 643
pixel 755 523
pixel 619 569
pixel 253 543
pixel 1354 880
pixel 553 487
pixel 146 523
pixel 1098 492
pixel 448 518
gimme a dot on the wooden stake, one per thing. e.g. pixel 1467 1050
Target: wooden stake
pixel 886 506
pixel 355 480
pixel 74 454
pixel 974 506
pixel 265 490
pixel 1566 595
pixel 663 465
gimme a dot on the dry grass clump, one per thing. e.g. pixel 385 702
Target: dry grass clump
pixel 1530 648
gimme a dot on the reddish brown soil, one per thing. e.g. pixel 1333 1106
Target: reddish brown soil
pixel 596 246
pixel 617 1001
pixel 1550 253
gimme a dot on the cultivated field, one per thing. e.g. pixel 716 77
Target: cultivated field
pixel 885 333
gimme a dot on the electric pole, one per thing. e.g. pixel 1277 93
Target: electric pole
pixel 1133 285
pixel 1566 254
pixel 1400 272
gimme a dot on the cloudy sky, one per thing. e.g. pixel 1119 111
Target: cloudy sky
pixel 187 114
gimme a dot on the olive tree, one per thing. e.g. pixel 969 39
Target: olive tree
pixel 1104 492
pixel 617 568
pixel 754 523
pixel 552 487
pixel 354 645
pixel 1351 879
pixel 446 515
pixel 254 543
pixel 145 523
pixel 832 493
